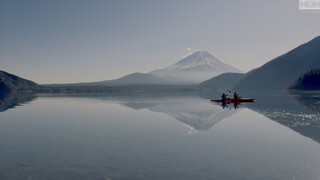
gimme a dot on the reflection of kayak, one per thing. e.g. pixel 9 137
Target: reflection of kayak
pixel 230 100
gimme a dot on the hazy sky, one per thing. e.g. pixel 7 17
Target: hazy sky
pixel 58 41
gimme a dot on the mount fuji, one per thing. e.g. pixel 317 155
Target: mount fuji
pixel 194 69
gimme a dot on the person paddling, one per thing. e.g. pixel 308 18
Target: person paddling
pixel 235 95
pixel 223 97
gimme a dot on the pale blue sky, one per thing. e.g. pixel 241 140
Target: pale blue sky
pixel 59 41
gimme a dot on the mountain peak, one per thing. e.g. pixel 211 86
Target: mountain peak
pixel 201 53
pixel 195 68
pixel 196 59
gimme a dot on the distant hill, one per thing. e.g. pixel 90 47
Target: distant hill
pixel 280 72
pixel 308 81
pixel 223 81
pixel 135 79
pixel 194 69
pixel 13 83
pixel 128 80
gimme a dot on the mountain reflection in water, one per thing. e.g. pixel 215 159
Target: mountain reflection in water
pixel 11 100
pixel 298 111
pixel 198 114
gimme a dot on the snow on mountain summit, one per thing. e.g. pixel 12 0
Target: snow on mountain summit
pixel 198 58
pixel 195 68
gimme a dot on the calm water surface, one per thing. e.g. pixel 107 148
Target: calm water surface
pixel 185 137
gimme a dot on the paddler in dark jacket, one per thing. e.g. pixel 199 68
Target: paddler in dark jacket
pixel 235 95
pixel 223 97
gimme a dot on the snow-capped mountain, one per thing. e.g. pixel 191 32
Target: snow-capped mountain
pixel 194 69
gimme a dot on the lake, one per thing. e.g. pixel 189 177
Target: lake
pixel 159 137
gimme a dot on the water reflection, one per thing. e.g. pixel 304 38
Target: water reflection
pixel 298 112
pixel 133 137
pixel 198 114
pixel 310 99
pixel 231 106
pixel 11 100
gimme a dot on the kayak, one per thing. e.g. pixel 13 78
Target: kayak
pixel 230 100
pixel 234 100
